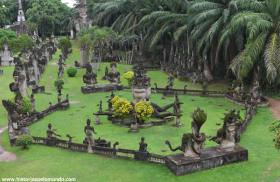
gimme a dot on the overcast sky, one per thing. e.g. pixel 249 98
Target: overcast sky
pixel 69 2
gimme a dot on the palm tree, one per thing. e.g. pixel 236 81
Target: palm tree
pixel 261 22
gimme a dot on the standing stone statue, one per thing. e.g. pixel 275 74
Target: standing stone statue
pixel 110 105
pixel 228 135
pixel 170 82
pixel 6 58
pixel 89 131
pixel 32 100
pixel 100 107
pixel 142 145
pixel 177 111
pixel 60 67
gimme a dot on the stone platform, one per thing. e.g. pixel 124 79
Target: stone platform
pixel 101 88
pixel 210 158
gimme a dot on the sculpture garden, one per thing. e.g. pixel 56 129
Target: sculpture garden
pixel 100 106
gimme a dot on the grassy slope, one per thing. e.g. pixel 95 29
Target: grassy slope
pixel 5 93
pixel 263 164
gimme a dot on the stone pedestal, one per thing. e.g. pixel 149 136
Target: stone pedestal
pixel 101 88
pixel 210 158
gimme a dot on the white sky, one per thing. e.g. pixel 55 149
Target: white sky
pixel 69 2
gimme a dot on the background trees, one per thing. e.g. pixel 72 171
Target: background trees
pixel 218 38
pixel 50 16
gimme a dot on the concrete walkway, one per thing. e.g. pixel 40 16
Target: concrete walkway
pixel 4 155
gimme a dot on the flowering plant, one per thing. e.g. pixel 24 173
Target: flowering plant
pixel 129 77
pixel 122 107
pixel 144 110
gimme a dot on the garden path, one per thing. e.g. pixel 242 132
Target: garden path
pixel 275 107
pixel 5 156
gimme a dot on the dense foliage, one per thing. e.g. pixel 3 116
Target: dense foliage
pixel 49 17
pixel 24 141
pixel 144 110
pixel 65 45
pixel 15 43
pixel 71 72
pixel 238 38
pixel 122 107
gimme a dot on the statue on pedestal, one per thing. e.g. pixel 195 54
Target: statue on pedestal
pixel 192 143
pixel 89 77
pixel 228 135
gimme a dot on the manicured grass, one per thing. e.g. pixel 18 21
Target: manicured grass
pixel 39 161
pixel 5 93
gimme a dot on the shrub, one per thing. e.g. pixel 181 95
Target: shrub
pixel 24 141
pixel 26 105
pixel 122 107
pixel 199 116
pixel 59 84
pixel 72 72
pixel 144 110
pixel 277 139
pixel 64 44
pixel 129 77
pixel 275 126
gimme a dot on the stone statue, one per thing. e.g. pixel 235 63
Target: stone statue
pixel 89 77
pixel 100 107
pixel 192 143
pixel 228 135
pixel 142 145
pixel 170 82
pixel 89 131
pixel 177 111
pixel 255 93
pixel 110 105
pixel 32 100
pixel 51 134
pixel 114 76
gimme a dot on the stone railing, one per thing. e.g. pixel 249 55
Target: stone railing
pixel 34 117
pixel 106 151
pixel 186 91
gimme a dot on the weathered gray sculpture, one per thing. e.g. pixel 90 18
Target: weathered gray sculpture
pixel 89 131
pixel 228 135
pixel 192 143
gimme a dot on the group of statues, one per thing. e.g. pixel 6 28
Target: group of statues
pixel 112 75
pixel 239 93
pixel 227 136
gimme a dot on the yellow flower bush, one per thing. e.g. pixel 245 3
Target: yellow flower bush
pixel 122 107
pixel 129 77
pixel 144 110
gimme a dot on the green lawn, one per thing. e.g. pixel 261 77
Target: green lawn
pixel 39 161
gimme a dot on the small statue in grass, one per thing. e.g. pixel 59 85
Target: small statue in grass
pixel 97 120
pixel 89 131
pixel 170 82
pixel 204 86
pixel 177 111
pixel 110 105
pixel 51 134
pixel 105 77
pixel 100 107
pixel 70 138
pixel 142 145
pixel 32 100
